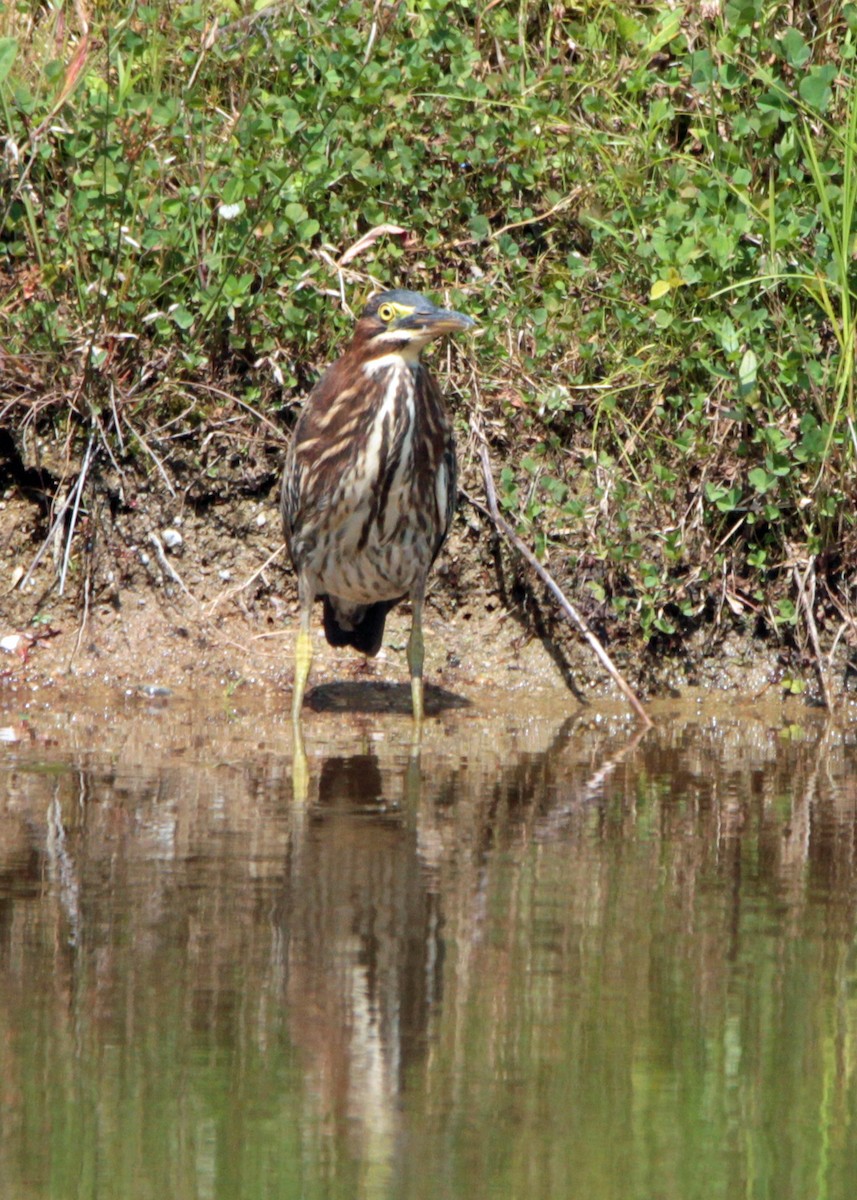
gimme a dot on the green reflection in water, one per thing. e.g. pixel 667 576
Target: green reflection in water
pixel 531 960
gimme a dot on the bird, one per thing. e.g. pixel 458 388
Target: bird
pixel 369 485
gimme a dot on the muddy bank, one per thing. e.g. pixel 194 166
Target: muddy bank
pixel 177 578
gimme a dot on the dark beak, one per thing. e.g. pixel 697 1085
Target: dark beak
pixel 440 321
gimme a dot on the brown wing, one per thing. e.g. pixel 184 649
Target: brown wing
pixel 322 443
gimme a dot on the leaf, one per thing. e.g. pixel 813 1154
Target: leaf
pixel 794 46
pixel 728 336
pixel 794 687
pixel 701 70
pixel 661 286
pixel 597 590
pixel 761 480
pixel 747 370
pixel 290 118
pixel 105 178
pixel 670 27
pixel 628 28
pixel 8 50
pixel 295 213
pixel 361 163
pixel 731 77
pixel 182 317
pixel 815 89
pixel 729 501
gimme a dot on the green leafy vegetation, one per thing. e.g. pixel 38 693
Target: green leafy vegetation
pixel 650 208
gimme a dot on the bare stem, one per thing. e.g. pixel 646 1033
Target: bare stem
pixel 565 604
pixel 805 585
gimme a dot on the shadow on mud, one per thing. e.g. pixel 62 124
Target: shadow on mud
pixel 375 696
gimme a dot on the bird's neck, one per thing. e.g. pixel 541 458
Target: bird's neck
pixel 405 357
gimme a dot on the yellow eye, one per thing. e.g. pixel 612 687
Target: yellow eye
pixel 385 312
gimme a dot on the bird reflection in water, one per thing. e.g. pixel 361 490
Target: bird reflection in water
pixel 365 951
pixel 387 871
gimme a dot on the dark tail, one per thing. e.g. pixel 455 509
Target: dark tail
pixel 368 631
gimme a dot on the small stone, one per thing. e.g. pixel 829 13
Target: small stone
pixel 261 520
pixel 172 539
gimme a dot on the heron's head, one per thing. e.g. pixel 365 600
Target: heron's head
pixel 402 323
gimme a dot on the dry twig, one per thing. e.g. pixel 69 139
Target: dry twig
pixel 806 604
pixel 565 604
pixel 231 593
pixel 72 500
pixel 77 494
pixel 168 568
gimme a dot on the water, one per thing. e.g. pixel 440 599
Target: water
pixel 535 957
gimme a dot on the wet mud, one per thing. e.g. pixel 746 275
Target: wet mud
pixel 182 582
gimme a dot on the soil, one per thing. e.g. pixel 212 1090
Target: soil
pixel 177 580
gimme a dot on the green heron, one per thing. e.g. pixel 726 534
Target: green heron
pixel 369 488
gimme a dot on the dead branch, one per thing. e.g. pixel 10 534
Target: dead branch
pixel 804 585
pixel 565 604
pixel 77 494
pixel 71 500
pixel 168 568
pixel 231 593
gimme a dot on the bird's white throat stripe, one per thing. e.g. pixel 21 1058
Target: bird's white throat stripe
pixel 404 356
pixel 398 369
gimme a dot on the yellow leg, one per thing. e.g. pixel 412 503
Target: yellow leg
pixel 303 650
pixel 300 766
pixel 416 653
pixel 303 662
